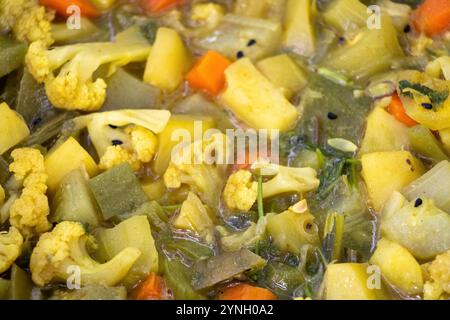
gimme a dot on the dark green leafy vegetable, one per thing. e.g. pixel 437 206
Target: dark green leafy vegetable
pixel 281 278
pixel 118 191
pixel 149 29
pixel 208 273
pixel 192 249
pixel 12 54
pixel 178 278
pixel 436 97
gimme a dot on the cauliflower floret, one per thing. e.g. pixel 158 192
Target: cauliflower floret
pixel 116 155
pixel 193 167
pixel 286 179
pixel 68 70
pixel 207 13
pixel 70 92
pixel 240 191
pixel 438 276
pixel 29 212
pixel 28 20
pixel 144 143
pixel 65 247
pixel 10 248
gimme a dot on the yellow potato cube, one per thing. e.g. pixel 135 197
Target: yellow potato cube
pixel 169 60
pixel 13 128
pixel 255 100
pixel 350 281
pixel 65 158
pixel 398 266
pixel 386 172
pixel 384 133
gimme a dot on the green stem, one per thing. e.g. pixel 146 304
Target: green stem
pixel 260 197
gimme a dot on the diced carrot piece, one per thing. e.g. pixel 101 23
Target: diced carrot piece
pixel 246 292
pixel 398 111
pixel 432 17
pixel 209 73
pixel 150 289
pixel 60 6
pixel 157 6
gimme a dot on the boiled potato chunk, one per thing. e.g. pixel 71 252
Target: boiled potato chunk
pixel 284 73
pixel 65 158
pixel 255 100
pixel 291 230
pixel 133 232
pixel 398 266
pixel 350 281
pixel 13 128
pixel 169 60
pixel 384 133
pixel 386 172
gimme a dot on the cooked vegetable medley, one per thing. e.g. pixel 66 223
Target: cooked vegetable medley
pixel 115 172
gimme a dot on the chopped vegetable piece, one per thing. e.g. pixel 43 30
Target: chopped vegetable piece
pixel 13 128
pixel 425 143
pixel 398 266
pixel 284 73
pixel 209 73
pixel 118 191
pixel 209 272
pixel 299 31
pixel 74 200
pixel 20 285
pixel 255 100
pixel 75 156
pixel 150 289
pixel 349 281
pixel 384 133
pixel 4 288
pixel 168 61
pixel 398 111
pixel 432 17
pixel 12 54
pixel 134 232
pixel 347 16
pixel 437 97
pixel 246 292
pixel 434 184
pixel 157 6
pixel 91 292
pixel 62 7
pixel 386 172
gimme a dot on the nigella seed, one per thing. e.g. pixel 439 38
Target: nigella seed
pixel 112 126
pixel 418 203
pixel 116 142
pixel 332 116
pixel 427 106
pixel 407 28
pixel 252 42
pixel 240 54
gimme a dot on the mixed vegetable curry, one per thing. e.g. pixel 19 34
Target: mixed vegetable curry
pixel 93 204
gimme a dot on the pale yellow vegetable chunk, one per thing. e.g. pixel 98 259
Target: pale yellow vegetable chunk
pixel 350 281
pixel 169 60
pixel 299 33
pixel 386 172
pixel 384 133
pixel 398 266
pixel 13 128
pixel 255 100
pixel 65 158
pixel 284 73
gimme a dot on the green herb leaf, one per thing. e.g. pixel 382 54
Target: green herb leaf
pixel 436 97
